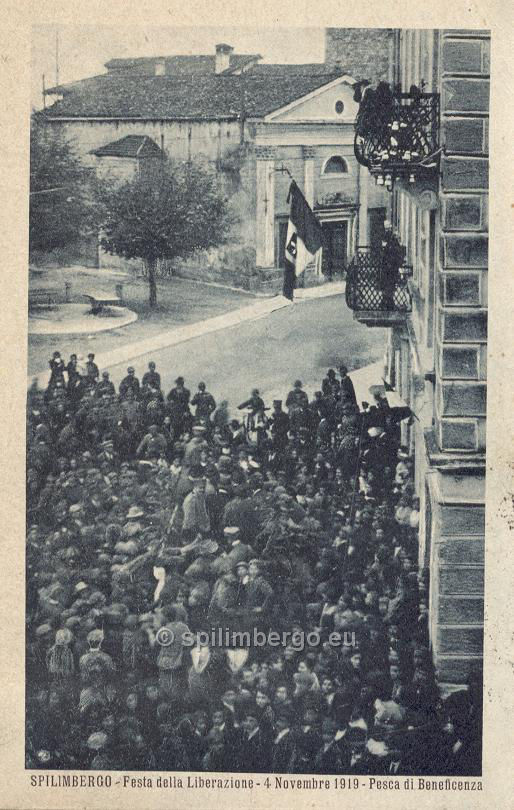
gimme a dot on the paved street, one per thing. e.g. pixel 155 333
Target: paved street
pixel 299 341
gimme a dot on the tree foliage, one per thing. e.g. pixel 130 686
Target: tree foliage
pixel 59 195
pixel 171 213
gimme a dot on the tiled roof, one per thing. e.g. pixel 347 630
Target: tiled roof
pixel 208 96
pixel 132 146
pixel 179 65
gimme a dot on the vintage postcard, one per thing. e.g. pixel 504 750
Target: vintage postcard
pixel 259 499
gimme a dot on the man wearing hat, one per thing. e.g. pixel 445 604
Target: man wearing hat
pixel 328 759
pixel 309 742
pixel 256 746
pixel 297 403
pixel 194 447
pixel 178 404
pixel 92 372
pixel 259 595
pixel 279 428
pixel 255 403
pixel 239 511
pixel 238 551
pixel 204 403
pixel 105 386
pixel 330 385
pixel 284 742
pixel 196 517
pixel 347 391
pixel 151 378
pixel 129 383
pixel 133 526
pixel 153 445
pixel 235 433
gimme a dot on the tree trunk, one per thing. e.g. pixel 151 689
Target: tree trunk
pixel 151 265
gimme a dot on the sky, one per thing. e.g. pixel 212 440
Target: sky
pixel 83 50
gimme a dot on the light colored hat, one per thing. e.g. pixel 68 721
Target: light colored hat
pixel 374 432
pixel 97 740
pixel 43 630
pixel 129 548
pixel 135 512
pixel 81 586
pixel 231 531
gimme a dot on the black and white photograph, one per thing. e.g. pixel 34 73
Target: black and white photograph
pixel 256 403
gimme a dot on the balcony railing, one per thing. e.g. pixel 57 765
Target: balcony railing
pixel 373 285
pixel 397 134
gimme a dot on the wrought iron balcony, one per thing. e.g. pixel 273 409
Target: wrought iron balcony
pixel 376 288
pixel 397 134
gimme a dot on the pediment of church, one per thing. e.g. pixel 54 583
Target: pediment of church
pixel 331 104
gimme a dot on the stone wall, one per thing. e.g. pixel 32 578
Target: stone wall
pixel 363 53
pixel 218 143
pixel 461 340
pixel 457 573
pixel 460 353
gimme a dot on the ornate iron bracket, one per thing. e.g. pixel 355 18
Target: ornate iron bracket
pixel 397 134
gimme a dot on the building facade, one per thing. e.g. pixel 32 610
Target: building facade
pixel 259 126
pixel 437 352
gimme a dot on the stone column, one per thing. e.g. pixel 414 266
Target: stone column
pixel 265 209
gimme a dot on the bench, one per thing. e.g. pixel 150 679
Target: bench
pixel 100 300
pixel 49 295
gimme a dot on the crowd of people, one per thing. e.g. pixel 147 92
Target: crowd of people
pixel 169 547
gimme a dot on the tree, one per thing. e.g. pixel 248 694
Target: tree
pixel 161 216
pixel 59 195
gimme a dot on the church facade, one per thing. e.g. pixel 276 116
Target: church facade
pixel 258 126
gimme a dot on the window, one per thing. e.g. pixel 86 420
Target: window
pixel 335 165
pixel 339 107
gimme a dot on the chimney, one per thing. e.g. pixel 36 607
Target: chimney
pixel 223 52
pixel 160 67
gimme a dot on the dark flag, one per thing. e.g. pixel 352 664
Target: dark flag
pixel 303 231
